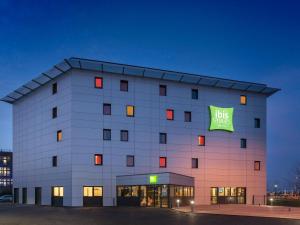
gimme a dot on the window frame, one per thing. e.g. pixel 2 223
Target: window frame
pixel 124 131
pixel 133 160
pixel 243 143
pixel 256 162
pixel 126 83
pixel 257 123
pixel 172 113
pixel 190 116
pixel 166 138
pixel 95 159
pixel 197 163
pixel 54 112
pixel 59 136
pixel 162 90
pixel 165 162
pixel 199 138
pixel 192 93
pixel 54 161
pixel 54 88
pixel 106 130
pixel 95 83
pixel 103 110
pixel 133 111
pixel 243 99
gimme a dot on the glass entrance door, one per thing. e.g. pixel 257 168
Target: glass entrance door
pixel 153 196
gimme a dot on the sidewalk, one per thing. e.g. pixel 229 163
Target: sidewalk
pixel 246 210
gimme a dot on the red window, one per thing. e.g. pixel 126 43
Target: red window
pixel 162 162
pixel 98 82
pixel 98 159
pixel 201 140
pixel 170 114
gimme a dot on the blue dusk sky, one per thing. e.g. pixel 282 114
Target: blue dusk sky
pixel 257 40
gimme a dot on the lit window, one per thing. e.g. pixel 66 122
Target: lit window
pixel 98 82
pixel 243 99
pixel 257 123
pixel 54 88
pixel 58 191
pixel 162 90
pixel 54 161
pixel 59 136
pixel 194 93
pixel 92 191
pixel 98 159
pixel 201 140
pixel 194 163
pixel 106 109
pixel 162 138
pixel 123 85
pixel 187 116
pixel 130 160
pixel 107 134
pixel 243 143
pixel 256 165
pixel 162 162
pixel 170 114
pixel 124 135
pixel 130 110
pixel 54 112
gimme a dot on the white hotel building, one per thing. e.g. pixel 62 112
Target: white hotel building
pixel 94 133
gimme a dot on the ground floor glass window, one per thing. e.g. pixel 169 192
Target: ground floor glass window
pixel 228 195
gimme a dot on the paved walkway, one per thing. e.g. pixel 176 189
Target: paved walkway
pixel 246 210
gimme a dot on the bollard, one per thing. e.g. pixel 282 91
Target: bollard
pixel 192 205
pixel 178 201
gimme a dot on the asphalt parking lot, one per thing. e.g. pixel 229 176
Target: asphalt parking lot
pixel 43 215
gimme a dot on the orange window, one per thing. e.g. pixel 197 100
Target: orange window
pixel 170 114
pixel 257 165
pixel 98 159
pixel 59 135
pixel 201 140
pixel 98 82
pixel 130 110
pixel 162 162
pixel 243 99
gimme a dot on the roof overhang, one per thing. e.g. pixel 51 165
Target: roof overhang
pixel 130 70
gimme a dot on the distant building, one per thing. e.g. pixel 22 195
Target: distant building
pixel 93 133
pixel 5 172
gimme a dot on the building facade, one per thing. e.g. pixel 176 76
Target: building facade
pixel 84 125
pixel 5 172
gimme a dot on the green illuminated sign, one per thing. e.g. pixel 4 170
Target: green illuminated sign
pixel 153 179
pixel 221 118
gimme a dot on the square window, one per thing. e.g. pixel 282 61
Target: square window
pixel 243 143
pixel 194 163
pixel 243 100
pixel 201 140
pixel 59 136
pixel 54 88
pixel 257 123
pixel 124 135
pixel 123 85
pixel 170 114
pixel 257 165
pixel 162 162
pixel 98 159
pixel 187 117
pixel 54 161
pixel 107 134
pixel 54 112
pixel 163 90
pixel 58 191
pixel 99 82
pixel 162 138
pixel 130 160
pixel 130 110
pixel 106 109
pixel 194 93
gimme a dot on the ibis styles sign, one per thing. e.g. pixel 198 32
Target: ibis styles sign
pixel 221 118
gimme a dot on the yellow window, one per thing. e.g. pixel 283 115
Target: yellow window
pixel 130 110
pixel 98 192
pixel 58 191
pixel 88 191
pixel 59 135
pixel 243 99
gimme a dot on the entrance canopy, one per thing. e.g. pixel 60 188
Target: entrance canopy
pixel 155 178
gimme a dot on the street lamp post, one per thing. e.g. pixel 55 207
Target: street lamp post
pixel 178 202
pixel 192 205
